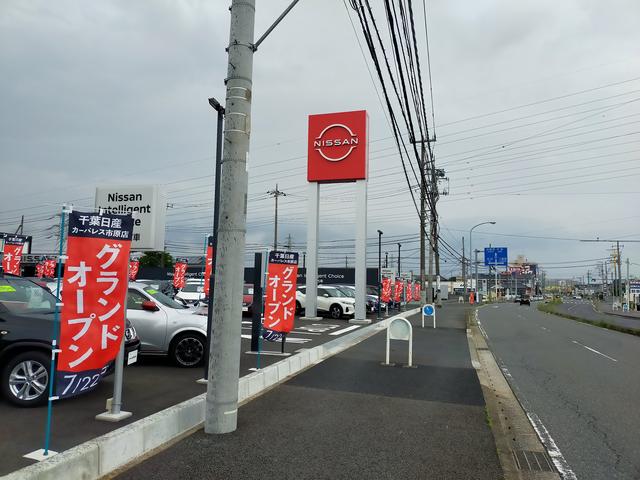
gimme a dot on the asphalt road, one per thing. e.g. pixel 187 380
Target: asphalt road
pixel 151 385
pixel 584 309
pixel 583 382
pixel 350 417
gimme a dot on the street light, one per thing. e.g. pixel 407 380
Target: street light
pixel 216 208
pixel 476 260
pixel 379 269
pixel 399 246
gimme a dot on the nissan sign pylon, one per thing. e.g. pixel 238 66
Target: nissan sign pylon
pixel 338 152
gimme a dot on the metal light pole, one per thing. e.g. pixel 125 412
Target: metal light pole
pixel 399 246
pixel 216 206
pixel 379 269
pixel 386 259
pixel 471 250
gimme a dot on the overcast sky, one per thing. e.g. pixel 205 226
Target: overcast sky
pixel 537 116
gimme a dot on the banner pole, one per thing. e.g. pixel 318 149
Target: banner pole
pixel 115 413
pixel 56 328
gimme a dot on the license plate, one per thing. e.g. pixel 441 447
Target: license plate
pixel 245 309
pixel 133 357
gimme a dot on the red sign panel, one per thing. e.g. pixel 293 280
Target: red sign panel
pixel 134 266
pixel 208 265
pixel 40 269
pixel 179 271
pixel 94 295
pixel 408 291
pixel 280 301
pixel 50 268
pixel 416 292
pixel 338 149
pixel 385 294
pixel 398 291
pixel 12 254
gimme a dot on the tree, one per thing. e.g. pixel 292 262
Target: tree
pixel 154 259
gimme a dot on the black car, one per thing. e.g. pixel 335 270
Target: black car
pixel 525 300
pixel 26 328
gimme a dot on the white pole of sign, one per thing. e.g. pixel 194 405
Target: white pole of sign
pixel 313 219
pixel 360 316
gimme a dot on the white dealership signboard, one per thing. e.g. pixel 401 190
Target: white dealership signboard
pixel 148 203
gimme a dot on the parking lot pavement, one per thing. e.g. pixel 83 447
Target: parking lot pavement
pixel 151 385
pixel 350 417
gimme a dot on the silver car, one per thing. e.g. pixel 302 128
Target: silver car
pixel 166 327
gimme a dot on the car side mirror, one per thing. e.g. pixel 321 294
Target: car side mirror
pixel 150 306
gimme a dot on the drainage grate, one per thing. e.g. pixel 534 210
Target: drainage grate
pixel 533 461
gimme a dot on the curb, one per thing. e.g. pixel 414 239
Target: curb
pixel 107 453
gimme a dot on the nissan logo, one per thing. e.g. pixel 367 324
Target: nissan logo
pixel 339 136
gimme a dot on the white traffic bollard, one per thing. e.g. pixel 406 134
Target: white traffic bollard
pixel 399 329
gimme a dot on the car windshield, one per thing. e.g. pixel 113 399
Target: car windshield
pixel 334 292
pixel 348 292
pixel 23 297
pixel 193 288
pixel 163 299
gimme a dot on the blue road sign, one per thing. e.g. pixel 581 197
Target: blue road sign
pixel 496 256
pixel 428 310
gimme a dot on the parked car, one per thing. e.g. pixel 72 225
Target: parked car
pixel 330 300
pixel 26 326
pixel 166 327
pixel 525 300
pixel 371 299
pixel 165 286
pixel 247 299
pixel 192 293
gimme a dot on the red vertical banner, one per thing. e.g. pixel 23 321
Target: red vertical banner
pixel 408 291
pixel 398 292
pixel 280 301
pixel 50 268
pixel 95 288
pixel 416 292
pixel 385 295
pixel 40 269
pixel 134 266
pixel 208 268
pixel 12 254
pixel 179 271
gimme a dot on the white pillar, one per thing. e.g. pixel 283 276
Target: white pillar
pixel 313 228
pixel 361 253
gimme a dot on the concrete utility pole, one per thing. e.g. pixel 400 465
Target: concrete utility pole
pixel 221 409
pixel 399 246
pixel 423 199
pixel 628 289
pixel 429 296
pixel 275 194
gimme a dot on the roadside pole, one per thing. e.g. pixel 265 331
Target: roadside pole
pixel 628 289
pixel 432 238
pixel 464 274
pixel 221 409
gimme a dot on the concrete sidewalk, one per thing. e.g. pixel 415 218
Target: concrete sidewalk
pixel 350 417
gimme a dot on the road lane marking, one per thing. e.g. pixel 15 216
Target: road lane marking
pixel 344 330
pixel 552 449
pixel 595 351
pixel 289 339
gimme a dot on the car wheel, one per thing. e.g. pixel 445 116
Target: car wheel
pixel 335 312
pixel 25 379
pixel 187 349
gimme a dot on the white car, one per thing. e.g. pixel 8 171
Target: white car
pixel 192 293
pixel 330 300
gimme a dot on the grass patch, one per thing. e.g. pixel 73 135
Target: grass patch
pixel 487 418
pixel 550 308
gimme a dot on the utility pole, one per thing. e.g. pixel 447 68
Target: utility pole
pixel 275 194
pixel 619 271
pixel 386 259
pixel 429 296
pixel 346 263
pixel 289 242
pixel 20 229
pixel 628 289
pixel 423 199
pixel 221 408
pixel 464 273
pixel 399 246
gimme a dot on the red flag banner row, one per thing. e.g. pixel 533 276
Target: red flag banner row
pixel 93 310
